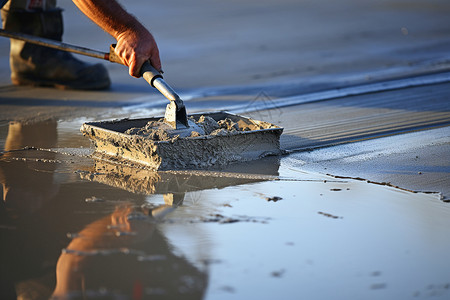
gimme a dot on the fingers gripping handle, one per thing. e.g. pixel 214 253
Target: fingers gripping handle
pixel 147 71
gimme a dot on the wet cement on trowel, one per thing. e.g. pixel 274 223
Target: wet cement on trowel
pixel 161 131
pixel 207 143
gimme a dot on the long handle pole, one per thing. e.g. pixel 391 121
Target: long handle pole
pixel 54 44
pixel 150 74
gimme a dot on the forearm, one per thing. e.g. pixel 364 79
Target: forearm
pixel 109 15
pixel 135 44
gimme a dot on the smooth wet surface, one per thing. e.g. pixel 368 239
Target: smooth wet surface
pixel 71 225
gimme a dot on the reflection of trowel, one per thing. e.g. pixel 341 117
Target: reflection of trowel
pixel 173 185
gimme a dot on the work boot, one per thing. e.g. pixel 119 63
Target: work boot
pixel 42 66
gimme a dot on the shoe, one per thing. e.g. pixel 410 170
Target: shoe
pixel 36 65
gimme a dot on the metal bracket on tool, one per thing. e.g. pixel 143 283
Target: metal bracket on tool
pixel 175 115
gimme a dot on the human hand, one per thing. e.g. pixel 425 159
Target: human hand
pixel 134 47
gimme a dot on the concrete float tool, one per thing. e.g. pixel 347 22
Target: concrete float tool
pixel 192 145
pixel 175 112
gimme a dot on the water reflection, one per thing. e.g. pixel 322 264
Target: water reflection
pixel 27 186
pixel 27 183
pixel 174 184
pixel 123 255
pixel 116 248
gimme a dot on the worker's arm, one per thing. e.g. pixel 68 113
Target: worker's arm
pixel 135 44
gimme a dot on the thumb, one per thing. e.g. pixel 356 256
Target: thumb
pixel 135 69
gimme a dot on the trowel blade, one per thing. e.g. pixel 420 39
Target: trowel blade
pixel 181 118
pixel 176 115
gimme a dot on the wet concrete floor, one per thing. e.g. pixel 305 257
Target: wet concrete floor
pixel 75 226
pixel 275 228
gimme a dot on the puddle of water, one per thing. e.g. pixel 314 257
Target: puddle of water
pixel 77 227
pixel 320 242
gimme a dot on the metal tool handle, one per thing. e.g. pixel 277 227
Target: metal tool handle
pixel 176 111
pixel 54 44
pixel 150 74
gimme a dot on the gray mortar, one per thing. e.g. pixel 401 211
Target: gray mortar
pixel 228 140
pixel 205 125
pixel 161 131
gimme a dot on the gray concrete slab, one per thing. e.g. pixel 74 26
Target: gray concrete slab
pixel 382 129
pixel 416 161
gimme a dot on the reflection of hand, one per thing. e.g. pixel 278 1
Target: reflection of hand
pixel 119 218
pixel 126 220
pixel 125 265
pixel 125 227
